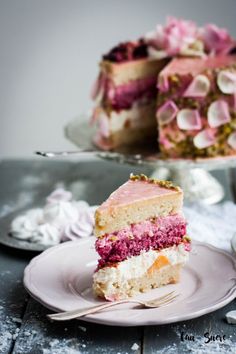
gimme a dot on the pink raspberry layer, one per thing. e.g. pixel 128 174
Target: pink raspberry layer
pixel 154 234
pixel 124 96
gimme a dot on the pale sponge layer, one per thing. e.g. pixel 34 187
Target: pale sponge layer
pixel 123 73
pixel 136 201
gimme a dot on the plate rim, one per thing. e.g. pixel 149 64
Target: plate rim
pixel 228 297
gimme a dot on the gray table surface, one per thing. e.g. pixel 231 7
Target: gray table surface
pixel 23 324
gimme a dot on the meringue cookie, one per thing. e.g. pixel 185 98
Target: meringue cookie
pixel 60 213
pixel 23 226
pixel 58 195
pixel 61 219
pixel 46 234
pixel 83 227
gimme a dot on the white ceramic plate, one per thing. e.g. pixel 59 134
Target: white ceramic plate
pixel 61 278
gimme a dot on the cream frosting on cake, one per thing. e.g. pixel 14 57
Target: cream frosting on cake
pixel 135 268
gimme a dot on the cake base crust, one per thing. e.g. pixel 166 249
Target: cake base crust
pixel 169 274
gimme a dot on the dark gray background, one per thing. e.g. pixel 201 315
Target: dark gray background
pixel 49 54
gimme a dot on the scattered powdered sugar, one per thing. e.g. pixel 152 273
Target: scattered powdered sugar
pixel 9 330
pixel 84 329
pixel 170 349
pixel 61 219
pixel 135 346
pixel 17 320
pixel 214 224
pixel 60 347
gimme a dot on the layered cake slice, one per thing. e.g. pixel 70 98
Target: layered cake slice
pixel 141 238
pixel 125 95
pixel 196 110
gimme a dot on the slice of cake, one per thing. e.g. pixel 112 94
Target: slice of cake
pixel 125 95
pixel 141 238
pixel 196 110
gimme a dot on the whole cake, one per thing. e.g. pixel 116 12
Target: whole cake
pixel 141 238
pixel 143 84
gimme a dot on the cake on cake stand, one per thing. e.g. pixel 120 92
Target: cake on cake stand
pixel 193 176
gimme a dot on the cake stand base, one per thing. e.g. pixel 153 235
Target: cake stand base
pixel 192 175
pixel 197 184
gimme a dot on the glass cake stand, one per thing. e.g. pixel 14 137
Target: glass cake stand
pixel 192 175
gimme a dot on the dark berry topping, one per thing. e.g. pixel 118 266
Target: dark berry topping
pixel 233 51
pixel 127 51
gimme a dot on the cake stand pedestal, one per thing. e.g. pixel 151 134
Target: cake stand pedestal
pixel 192 176
pixel 197 184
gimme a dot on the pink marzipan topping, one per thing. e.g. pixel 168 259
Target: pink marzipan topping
pixel 133 191
pixel 184 66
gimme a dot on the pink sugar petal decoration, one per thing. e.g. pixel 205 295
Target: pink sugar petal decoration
pixel 217 40
pixel 58 195
pixel 94 116
pixel 167 112
pixel 98 88
pixel 189 119
pixel 163 83
pixel 232 140
pixel 157 54
pixel 173 37
pixel 95 87
pixel 103 126
pixel 199 87
pixel 111 94
pixel 218 113
pixel 234 101
pixel 226 82
pixel 204 139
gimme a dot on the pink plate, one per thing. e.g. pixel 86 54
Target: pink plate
pixel 61 278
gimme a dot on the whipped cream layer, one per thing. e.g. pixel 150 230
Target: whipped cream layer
pixel 155 234
pixel 136 267
pixel 126 119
